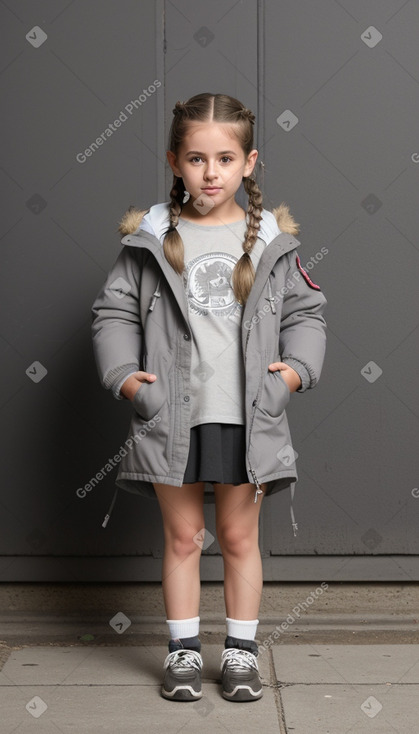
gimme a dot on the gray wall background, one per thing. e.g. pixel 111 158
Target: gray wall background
pixel 334 86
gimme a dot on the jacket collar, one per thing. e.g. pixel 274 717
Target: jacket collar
pixel 156 221
pixel 148 241
pixel 147 228
pixel 279 246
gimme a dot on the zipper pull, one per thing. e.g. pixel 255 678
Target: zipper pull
pixel 258 489
pixel 108 514
pixel 271 298
pixel 293 523
pixel 156 295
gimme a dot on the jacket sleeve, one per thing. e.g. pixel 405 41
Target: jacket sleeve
pixel 116 324
pixel 302 339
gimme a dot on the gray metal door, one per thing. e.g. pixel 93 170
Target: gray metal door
pixel 88 92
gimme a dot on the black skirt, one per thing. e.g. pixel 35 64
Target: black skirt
pixel 217 454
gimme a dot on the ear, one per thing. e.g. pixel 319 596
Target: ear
pixel 250 162
pixel 172 163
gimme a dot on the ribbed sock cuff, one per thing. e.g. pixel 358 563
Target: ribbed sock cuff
pixel 180 628
pixel 250 645
pixel 243 629
pixel 186 643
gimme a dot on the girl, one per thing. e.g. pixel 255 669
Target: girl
pixel 207 323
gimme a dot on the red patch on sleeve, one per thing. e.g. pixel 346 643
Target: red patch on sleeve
pixel 306 276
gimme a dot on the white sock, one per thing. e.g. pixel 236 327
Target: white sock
pixel 180 628
pixel 243 629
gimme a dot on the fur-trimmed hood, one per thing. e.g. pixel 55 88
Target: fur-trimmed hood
pixel 133 218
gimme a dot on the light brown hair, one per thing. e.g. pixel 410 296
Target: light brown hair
pixel 208 107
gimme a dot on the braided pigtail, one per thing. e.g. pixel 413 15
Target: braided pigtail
pixel 244 273
pixel 173 244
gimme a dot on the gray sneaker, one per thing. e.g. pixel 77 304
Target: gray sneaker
pixel 182 678
pixel 240 675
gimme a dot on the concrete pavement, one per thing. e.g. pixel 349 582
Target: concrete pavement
pixel 326 673
pixel 93 685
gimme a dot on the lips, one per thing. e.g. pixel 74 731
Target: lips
pixel 212 188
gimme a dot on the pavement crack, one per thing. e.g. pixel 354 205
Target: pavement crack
pixel 277 695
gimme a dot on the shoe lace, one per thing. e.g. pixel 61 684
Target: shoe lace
pixel 239 659
pixel 184 659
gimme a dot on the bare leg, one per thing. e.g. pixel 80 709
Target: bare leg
pixel 183 517
pixel 237 521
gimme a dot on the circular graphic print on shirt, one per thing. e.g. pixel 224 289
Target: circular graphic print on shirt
pixel 208 284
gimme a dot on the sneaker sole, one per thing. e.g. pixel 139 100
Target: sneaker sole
pixel 242 693
pixel 182 693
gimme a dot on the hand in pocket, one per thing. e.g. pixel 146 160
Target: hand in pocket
pixel 288 374
pixel 133 383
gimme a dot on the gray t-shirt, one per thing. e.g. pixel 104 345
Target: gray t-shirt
pixel 217 374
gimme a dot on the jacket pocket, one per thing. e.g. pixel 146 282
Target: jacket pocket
pixel 275 393
pixel 152 396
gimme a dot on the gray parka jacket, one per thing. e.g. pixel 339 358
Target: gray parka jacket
pixel 140 322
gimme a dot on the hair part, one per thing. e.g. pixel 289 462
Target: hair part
pixel 208 107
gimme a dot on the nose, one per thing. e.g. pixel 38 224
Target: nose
pixel 210 172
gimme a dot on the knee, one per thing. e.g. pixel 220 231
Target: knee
pixel 236 541
pixel 184 543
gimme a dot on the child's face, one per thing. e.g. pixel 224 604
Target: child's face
pixel 211 156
